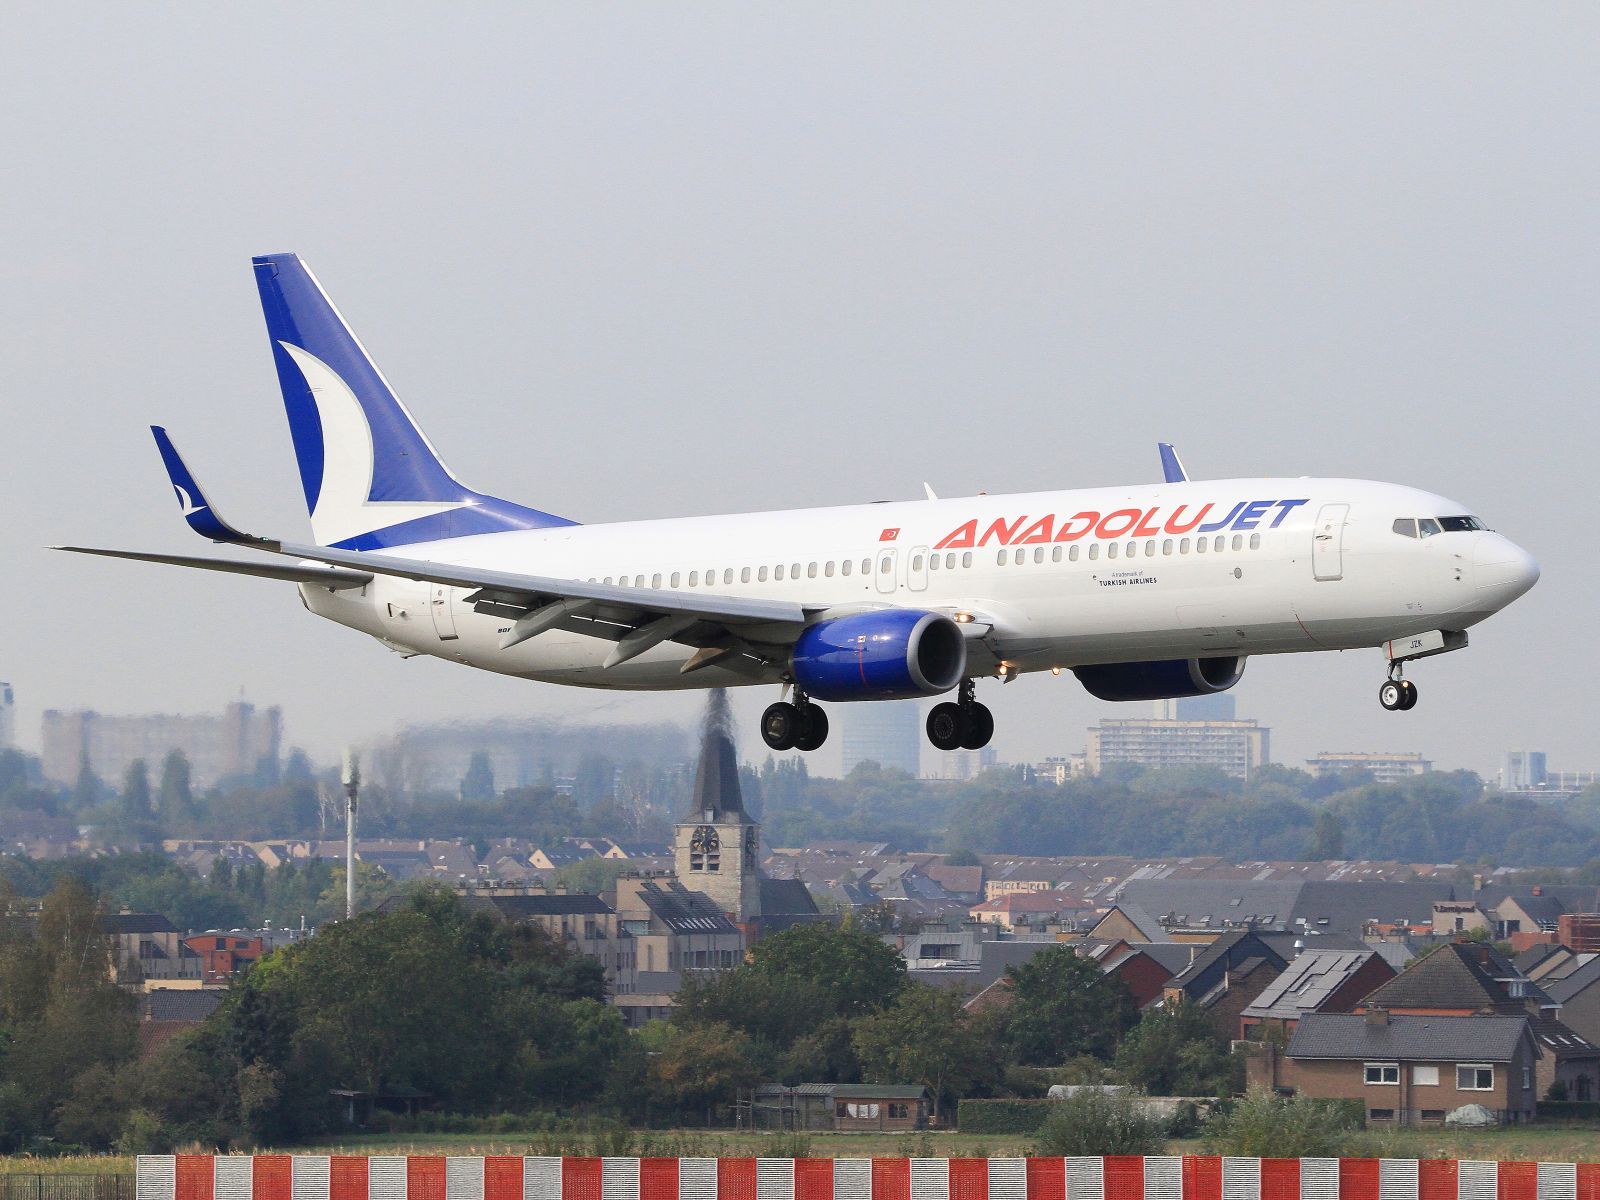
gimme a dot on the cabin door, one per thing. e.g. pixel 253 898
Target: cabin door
pixel 1327 545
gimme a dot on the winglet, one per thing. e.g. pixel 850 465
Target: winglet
pixel 1171 466
pixel 197 510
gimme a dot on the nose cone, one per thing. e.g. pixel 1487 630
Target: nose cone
pixel 1502 570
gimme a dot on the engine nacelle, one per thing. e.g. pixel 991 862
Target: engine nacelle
pixel 1174 678
pixel 888 654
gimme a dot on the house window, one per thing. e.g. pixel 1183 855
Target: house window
pixel 1475 1077
pixel 1425 1076
pixel 1380 1114
pixel 861 1112
pixel 1433 1114
pixel 1382 1073
pixel 898 1112
pixel 1527 1078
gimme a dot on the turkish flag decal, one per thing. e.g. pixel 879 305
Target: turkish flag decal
pixel 888 535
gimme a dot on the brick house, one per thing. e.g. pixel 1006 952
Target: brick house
pixel 224 955
pixel 1409 1069
pixel 1316 981
pixel 1225 978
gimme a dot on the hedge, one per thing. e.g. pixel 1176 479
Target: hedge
pixel 1002 1116
pixel 1566 1110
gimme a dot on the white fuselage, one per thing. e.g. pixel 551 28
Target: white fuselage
pixel 1057 579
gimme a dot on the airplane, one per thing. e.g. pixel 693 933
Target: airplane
pixel 1143 592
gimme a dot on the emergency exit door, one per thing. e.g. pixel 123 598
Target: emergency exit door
pixel 1327 545
pixel 444 617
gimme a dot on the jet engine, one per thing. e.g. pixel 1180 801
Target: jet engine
pixel 886 654
pixel 1172 678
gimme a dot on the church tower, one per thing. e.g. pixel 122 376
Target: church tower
pixel 715 848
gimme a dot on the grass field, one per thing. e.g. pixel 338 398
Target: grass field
pixel 1547 1142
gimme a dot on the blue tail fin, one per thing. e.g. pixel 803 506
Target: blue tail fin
pixel 371 478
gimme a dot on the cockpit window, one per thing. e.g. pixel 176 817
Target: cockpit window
pixel 1427 527
pixel 1406 527
pixel 1460 524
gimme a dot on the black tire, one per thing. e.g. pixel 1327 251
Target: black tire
pixel 1391 695
pixel 780 726
pixel 813 729
pixel 947 726
pixel 1409 700
pixel 980 727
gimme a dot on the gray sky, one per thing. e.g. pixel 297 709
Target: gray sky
pixel 628 261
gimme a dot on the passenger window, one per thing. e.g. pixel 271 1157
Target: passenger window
pixel 1002 558
pixel 744 575
pixel 778 573
pixel 1427 527
pixel 1111 550
pixel 1166 546
pixel 694 579
pixel 727 575
pixel 1072 553
pixel 794 571
pixel 1055 553
pixel 638 581
pixel 675 578
pixel 966 558
pixel 886 565
pixel 916 562
pixel 608 579
pixel 1220 544
pixel 655 580
pixel 1255 541
pixel 1183 546
pixel 761 575
pixel 1094 551
pixel 933 562
pixel 811 570
pixel 844 567
pixel 827 569
pixel 866 566
pixel 1200 545
pixel 1038 555
pixel 1238 541
pixel 1150 548
pixel 950 561
pixel 1406 527
pixel 1133 549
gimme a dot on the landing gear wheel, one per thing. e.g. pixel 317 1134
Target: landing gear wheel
pixel 780 726
pixel 813 728
pixel 980 727
pixel 1408 700
pixel 1391 695
pixel 947 726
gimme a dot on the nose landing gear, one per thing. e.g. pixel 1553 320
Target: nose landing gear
pixel 1397 694
pixel 798 726
pixel 964 725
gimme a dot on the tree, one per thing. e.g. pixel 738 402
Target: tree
pixel 478 782
pixel 592 875
pixel 856 971
pixel 1061 1006
pixel 925 1037
pixel 176 795
pixel 136 792
pixel 1327 837
pixel 1175 1051
pixel 962 858
pixel 699 1067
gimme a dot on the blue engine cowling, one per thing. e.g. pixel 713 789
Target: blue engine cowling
pixel 888 654
pixel 1174 678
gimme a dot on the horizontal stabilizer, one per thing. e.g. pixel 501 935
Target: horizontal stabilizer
pixel 331 577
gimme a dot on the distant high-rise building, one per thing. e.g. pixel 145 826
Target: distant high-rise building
pixel 1223 706
pixel 1385 768
pixel 966 764
pixel 1236 747
pixel 8 717
pixel 1523 770
pixel 889 734
pixel 241 740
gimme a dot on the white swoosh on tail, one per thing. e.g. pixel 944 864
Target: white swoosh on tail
pixel 344 507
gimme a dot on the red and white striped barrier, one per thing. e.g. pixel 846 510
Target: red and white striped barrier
pixel 422 1177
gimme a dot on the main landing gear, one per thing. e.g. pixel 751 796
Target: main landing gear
pixel 1397 694
pixel 798 726
pixel 964 725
